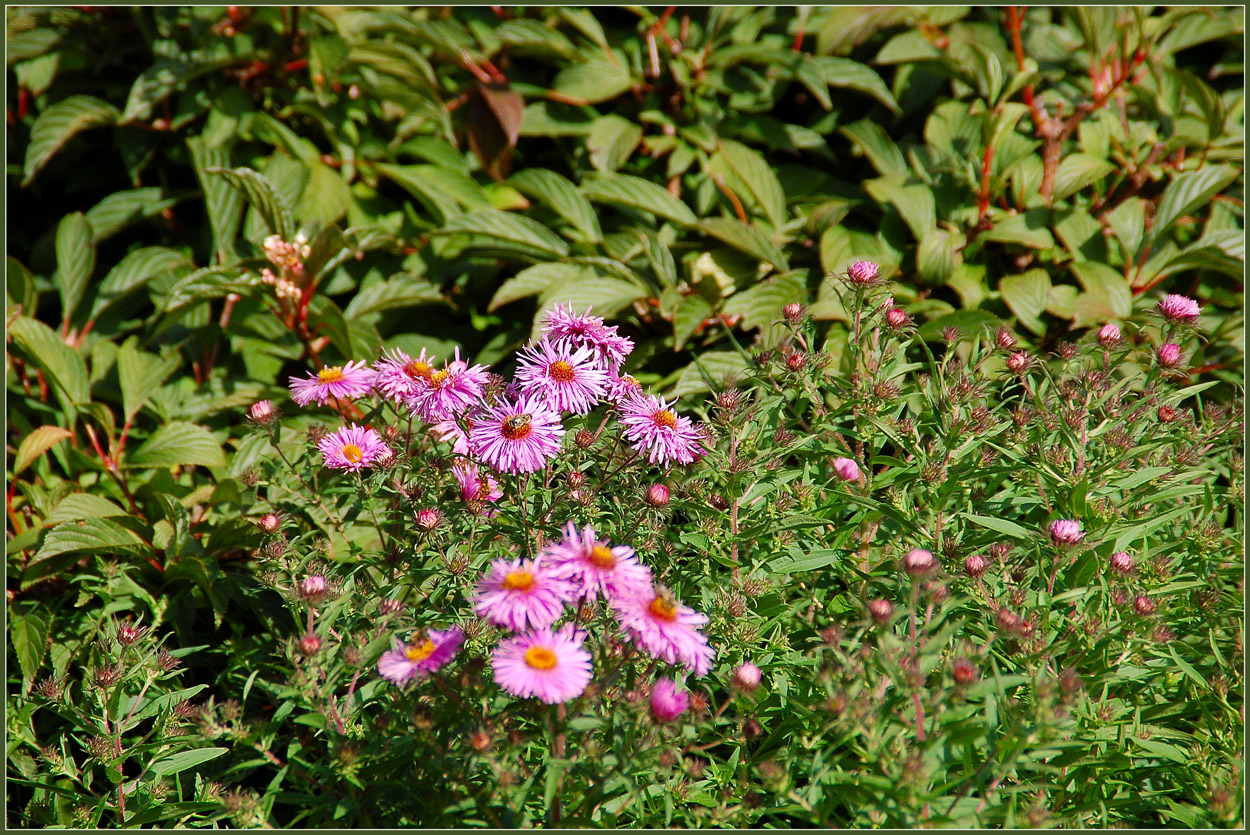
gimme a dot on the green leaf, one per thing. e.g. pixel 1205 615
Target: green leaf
pixel 593 82
pixel 914 201
pixel 135 270
pixel 611 141
pixel 36 443
pixel 140 374
pixel 534 280
pixel 1106 296
pixel 326 198
pixel 637 193
pixel 264 197
pixel 1002 526
pixel 748 239
pixel 20 285
pixel 183 760
pixel 1189 192
pixel 939 255
pixel 606 295
pixel 1027 295
pixel 1028 229
pixel 153 85
pixel 77 506
pixel 872 140
pixel 814 80
pixel 842 72
pixel 687 318
pixel 63 366
pixel 58 124
pixel 87 535
pixel 29 633
pixel 1078 171
pixel 395 293
pixel 224 203
pixel 760 306
pixel 117 210
pixel 507 231
pixel 753 169
pixel 716 366
pixel 562 196
pixel 176 444
pixel 443 190
pixel 75 261
pixel 1128 223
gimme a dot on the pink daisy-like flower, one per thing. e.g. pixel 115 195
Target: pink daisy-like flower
pixel 651 424
pixel 350 380
pixel 1180 309
pixel 402 378
pixel 450 391
pixel 522 594
pixel 561 324
pixel 421 657
pixel 449 430
pixel 352 448
pixel 664 627
pixel 668 700
pixel 475 485
pixel 621 387
pixel 568 378
pixel 594 566
pixel 1065 532
pixel 846 468
pixel 550 666
pixel 516 435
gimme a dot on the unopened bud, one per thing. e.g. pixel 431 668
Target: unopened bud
pixel 880 610
pixel 1006 340
pixel 793 313
pixel 1018 362
pixel 896 318
pixel 269 523
pixel 963 671
pixel 747 677
pixel 1109 335
pixel 919 562
pixel 864 273
pixel 657 496
pixel 584 439
pixel 1122 563
pixel 1143 605
pixel 309 644
pixel 976 566
pixel 428 519
pixel 1169 355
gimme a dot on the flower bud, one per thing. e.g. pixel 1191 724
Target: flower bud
pixel 313 587
pixel 1180 309
pixel 584 439
pixel 657 496
pixel 919 562
pixel 797 361
pixel 896 318
pixel 428 519
pixel 1143 605
pixel 793 313
pixel 1109 335
pixel 667 701
pixel 269 523
pixel 262 413
pixel 1065 532
pixel 128 633
pixel 1122 563
pixel 880 610
pixel 1018 362
pixel 963 671
pixel 976 566
pixel 1167 414
pixel 576 479
pixel 846 469
pixel 1006 340
pixel 863 273
pixel 390 606
pixel 1169 355
pixel 310 644
pixel 1008 621
pixel 747 677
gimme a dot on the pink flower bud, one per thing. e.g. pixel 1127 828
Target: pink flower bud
pixel 846 469
pixel 1169 355
pixel 963 671
pixel 1005 340
pixel 918 562
pixel 309 644
pixel 428 519
pixel 1180 309
pixel 896 317
pixel 262 412
pixel 747 677
pixel 976 566
pixel 1018 362
pixel 793 313
pixel 1066 532
pixel 389 606
pixel 880 610
pixel 1122 563
pixel 667 701
pixel 657 495
pixel 863 273
pixel 1109 335
pixel 1143 605
pixel 313 587
pixel 269 523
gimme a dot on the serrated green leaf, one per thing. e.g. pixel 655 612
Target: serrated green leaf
pixel 75 261
pixel 1027 295
pixel 63 366
pixel 687 318
pixel 715 366
pixel 593 82
pixel 760 306
pixel 1077 171
pixel 753 169
pixel 264 197
pixel 395 293
pixel 135 270
pixel 153 85
pixel 914 201
pixel 876 144
pixel 58 124
pixel 223 201
pixel 178 444
pixel 1107 295
pixel 506 231
pixel 611 142
pixel 140 374
pixel 87 535
pixel 1187 193
pixel 77 506
pixel 637 193
pixel 748 239
pixel 562 196
pixel 36 443
pixel 537 279
pixel 1028 229
pixel 29 633
pixel 842 72
pixel 326 198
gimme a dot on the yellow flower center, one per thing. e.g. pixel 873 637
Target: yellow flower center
pixel 665 418
pixel 561 372
pixel 663 608
pixel 540 658
pixel 333 374
pixel 418 370
pixel 483 489
pixel 419 652
pixel 353 453
pixel 601 556
pixel 437 378
pixel 518 581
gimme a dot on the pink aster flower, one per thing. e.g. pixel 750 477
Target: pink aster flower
pixel 522 594
pixel 567 377
pixel 421 657
pixel 450 431
pixel 621 387
pixel 351 380
pixel 402 378
pixel 593 566
pixel 450 391
pixel 665 628
pixel 846 469
pixel 1065 532
pixel 561 324
pixel 516 435
pixel 475 485
pixel 550 666
pixel 668 700
pixel 651 424
pixel 1180 309
pixel 352 448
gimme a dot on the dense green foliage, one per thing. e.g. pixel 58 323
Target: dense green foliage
pixel 689 173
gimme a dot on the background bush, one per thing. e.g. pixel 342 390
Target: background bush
pixel 458 171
